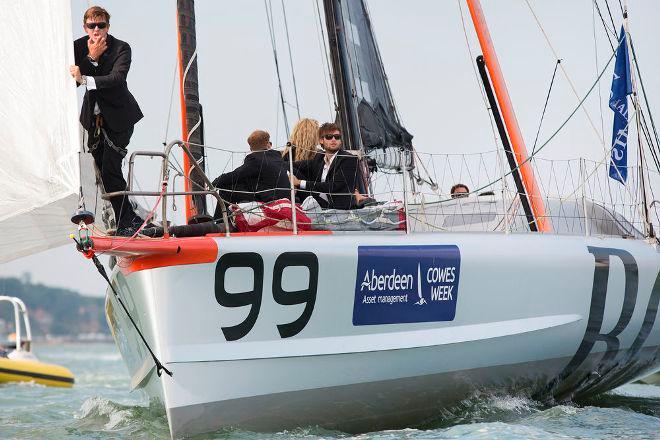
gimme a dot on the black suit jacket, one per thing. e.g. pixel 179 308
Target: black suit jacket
pixel 340 183
pixel 119 108
pixel 262 175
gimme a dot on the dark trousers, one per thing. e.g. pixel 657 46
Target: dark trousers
pixel 108 154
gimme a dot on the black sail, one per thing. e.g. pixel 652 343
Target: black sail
pixel 191 106
pixel 366 109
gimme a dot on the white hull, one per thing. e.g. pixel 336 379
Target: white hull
pixel 522 305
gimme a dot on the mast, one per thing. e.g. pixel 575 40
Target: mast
pixel 532 192
pixel 648 225
pixel 192 125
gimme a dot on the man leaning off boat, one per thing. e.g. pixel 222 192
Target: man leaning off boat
pixel 109 110
pixel 330 177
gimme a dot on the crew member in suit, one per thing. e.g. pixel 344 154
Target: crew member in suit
pixel 109 110
pixel 261 178
pixel 332 177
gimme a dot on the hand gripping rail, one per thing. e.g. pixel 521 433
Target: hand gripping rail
pixel 165 155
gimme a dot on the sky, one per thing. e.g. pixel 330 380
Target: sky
pixel 430 70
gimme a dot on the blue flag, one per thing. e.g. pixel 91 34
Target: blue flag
pixel 621 88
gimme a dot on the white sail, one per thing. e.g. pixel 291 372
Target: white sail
pixel 39 130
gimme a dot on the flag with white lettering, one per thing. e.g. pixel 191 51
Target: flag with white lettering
pixel 621 88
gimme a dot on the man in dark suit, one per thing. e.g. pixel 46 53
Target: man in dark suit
pixel 109 110
pixel 332 177
pixel 261 178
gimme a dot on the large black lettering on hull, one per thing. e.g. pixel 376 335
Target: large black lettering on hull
pixel 577 378
pixel 253 297
pixel 632 365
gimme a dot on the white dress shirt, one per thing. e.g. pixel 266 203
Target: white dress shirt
pixel 91 85
pixel 327 163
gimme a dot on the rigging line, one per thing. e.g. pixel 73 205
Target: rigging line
pixel 277 119
pixel 325 59
pixel 600 95
pixel 81 151
pixel 605 26
pixel 185 75
pixel 644 94
pixel 636 104
pixel 621 7
pixel 647 135
pixel 545 106
pixel 169 111
pixel 159 366
pixel 606 148
pixel 293 74
pixel 477 77
pixel 568 78
pixel 271 30
pixel 609 12
pixel 552 136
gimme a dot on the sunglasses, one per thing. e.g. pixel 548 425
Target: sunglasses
pixel 327 137
pixel 101 25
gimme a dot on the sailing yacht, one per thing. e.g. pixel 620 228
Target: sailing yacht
pixel 380 326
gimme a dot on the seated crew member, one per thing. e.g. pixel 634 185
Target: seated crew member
pixel 303 141
pixel 459 190
pixel 261 178
pixel 332 177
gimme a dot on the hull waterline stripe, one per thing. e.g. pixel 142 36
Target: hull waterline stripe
pixel 37 375
pixel 224 351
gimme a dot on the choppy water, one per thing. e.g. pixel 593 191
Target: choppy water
pixel 100 407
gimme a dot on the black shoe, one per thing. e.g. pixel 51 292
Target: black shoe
pixel 152 231
pixel 127 231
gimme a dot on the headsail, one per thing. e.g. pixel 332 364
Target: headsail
pixel 366 108
pixel 40 141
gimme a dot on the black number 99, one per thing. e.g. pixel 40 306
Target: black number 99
pixel 253 297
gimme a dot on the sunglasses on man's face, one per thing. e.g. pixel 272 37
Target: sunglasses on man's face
pixel 101 25
pixel 327 137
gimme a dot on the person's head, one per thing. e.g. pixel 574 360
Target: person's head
pixel 305 137
pixel 330 137
pixel 259 140
pixel 459 190
pixel 99 20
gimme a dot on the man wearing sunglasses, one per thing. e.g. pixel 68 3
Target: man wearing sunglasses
pixel 109 110
pixel 331 177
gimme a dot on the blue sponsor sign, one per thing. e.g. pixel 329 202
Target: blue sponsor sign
pixel 400 284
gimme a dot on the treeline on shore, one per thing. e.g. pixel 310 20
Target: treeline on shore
pixel 53 311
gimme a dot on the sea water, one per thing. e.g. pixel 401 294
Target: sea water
pixel 100 406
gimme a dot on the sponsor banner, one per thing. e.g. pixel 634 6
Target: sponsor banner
pixel 400 284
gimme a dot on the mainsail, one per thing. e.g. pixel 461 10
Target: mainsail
pixel 40 143
pixel 366 109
